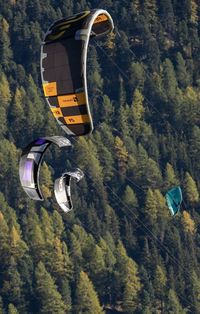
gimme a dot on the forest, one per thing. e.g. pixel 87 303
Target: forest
pixel 119 250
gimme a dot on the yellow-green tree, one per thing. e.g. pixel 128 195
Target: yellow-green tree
pixel 87 299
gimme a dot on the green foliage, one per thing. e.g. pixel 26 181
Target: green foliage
pixel 173 304
pixel 144 97
pixel 87 299
pixel 50 298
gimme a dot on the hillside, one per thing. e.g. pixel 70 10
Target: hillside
pixel 119 250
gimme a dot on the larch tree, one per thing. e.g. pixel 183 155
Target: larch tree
pixel 87 299
pixel 12 309
pixel 50 300
pixel 150 208
pixel 192 194
pixel 121 155
pixel 170 176
pixel 130 197
pixel 188 223
pixel 173 304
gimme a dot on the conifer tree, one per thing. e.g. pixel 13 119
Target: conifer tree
pixel 191 191
pixel 1 306
pixel 188 223
pixel 182 73
pixel 170 176
pixel 160 281
pixel 150 209
pixel 13 286
pixel 109 258
pixel 137 111
pixel 132 287
pixel 50 300
pixel 57 223
pixel 4 237
pixel 46 180
pixel 169 79
pixel 5 98
pixel 127 282
pixel 137 76
pixel 195 146
pixel 195 285
pixel 17 246
pixel 87 299
pixel 130 198
pixel 121 155
pixel 12 309
pixel 16 114
pixel 46 225
pixel 173 305
pixel 5 49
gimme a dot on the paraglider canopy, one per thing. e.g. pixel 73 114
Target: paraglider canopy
pixel 63 68
pixel 62 188
pixel 30 162
pixel 174 199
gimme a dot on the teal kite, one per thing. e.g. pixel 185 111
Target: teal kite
pixel 174 199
